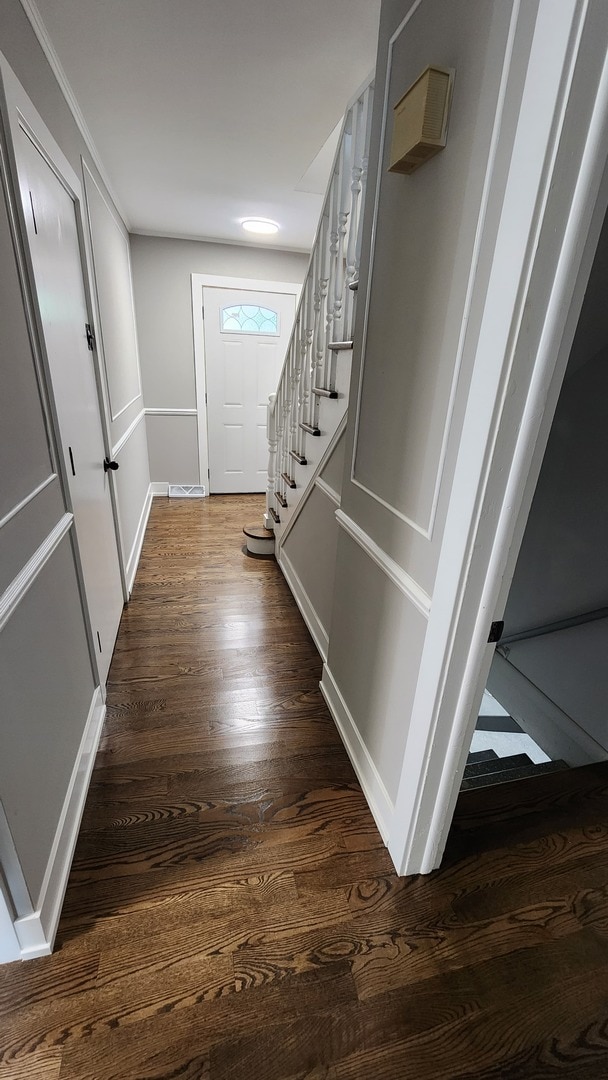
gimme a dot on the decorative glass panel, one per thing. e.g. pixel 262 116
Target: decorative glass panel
pixel 249 319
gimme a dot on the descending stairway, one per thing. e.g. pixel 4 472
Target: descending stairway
pixel 485 769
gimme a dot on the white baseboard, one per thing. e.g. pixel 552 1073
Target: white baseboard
pixel 36 932
pixel 159 489
pixel 302 599
pixel 371 782
pixel 554 731
pixel 133 560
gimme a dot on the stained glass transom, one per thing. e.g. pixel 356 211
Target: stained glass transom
pixel 249 319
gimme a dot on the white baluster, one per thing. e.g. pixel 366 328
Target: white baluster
pixel 271 431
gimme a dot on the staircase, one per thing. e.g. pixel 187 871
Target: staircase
pixel 485 768
pixel 307 413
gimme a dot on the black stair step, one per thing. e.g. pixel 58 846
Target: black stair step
pixel 301 460
pixel 339 346
pixel 310 429
pixel 354 285
pixel 275 517
pixel 481 755
pixel 289 480
pixel 282 501
pixel 490 779
pixel 497 723
pixel 498 764
pixel 320 391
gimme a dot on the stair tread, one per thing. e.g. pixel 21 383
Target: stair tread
pixel 498 764
pixel 505 777
pixel 258 532
pixel 301 460
pixel 481 755
pixel 310 429
pixel 338 346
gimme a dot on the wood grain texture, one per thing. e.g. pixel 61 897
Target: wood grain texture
pixel 232 913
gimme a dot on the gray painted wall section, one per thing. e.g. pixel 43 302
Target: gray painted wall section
pixel 162 270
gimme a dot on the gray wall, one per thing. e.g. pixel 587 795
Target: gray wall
pixel 162 270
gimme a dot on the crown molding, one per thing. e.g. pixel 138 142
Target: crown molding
pixel 42 34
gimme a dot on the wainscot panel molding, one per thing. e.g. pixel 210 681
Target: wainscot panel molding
pixel 36 932
pixel 327 490
pixel 127 434
pixel 133 560
pixel 20 585
pixel 318 632
pixel 426 528
pixel 377 796
pixel 406 584
pixel 171 412
pixel 28 499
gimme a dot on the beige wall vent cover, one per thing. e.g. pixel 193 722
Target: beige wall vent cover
pixel 420 121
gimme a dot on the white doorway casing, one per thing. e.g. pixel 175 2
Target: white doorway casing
pixel 207 282
pixel 530 310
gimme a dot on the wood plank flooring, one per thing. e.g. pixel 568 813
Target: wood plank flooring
pixel 232 913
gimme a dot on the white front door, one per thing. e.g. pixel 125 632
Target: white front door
pixel 246 338
pixel 50 217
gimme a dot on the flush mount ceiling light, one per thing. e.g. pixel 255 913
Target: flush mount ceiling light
pixel 260 225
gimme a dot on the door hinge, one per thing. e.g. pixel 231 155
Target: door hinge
pixel 496 630
pixel 90 336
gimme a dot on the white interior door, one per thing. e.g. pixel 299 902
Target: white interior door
pixel 246 338
pixel 50 217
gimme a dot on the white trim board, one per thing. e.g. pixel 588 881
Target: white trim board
pixel 214 281
pixel 138 542
pixel 406 584
pixel 170 412
pixel 22 583
pixel 378 798
pixel 28 499
pixel 124 438
pixel 307 610
pixel 328 491
pixel 36 932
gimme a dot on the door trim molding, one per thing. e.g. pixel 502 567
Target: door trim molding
pixel 218 281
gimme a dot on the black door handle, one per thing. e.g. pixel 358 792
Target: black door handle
pixel 107 464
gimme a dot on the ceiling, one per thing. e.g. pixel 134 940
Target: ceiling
pixel 205 112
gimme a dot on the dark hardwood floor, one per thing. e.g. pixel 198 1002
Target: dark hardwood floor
pixel 232 913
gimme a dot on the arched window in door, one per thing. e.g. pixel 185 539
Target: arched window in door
pixel 249 319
